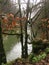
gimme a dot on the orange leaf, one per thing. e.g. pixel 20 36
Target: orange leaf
pixel 17 18
pixel 13 23
pixel 10 27
pixel 10 15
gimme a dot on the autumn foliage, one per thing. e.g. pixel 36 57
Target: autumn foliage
pixel 45 27
pixel 9 21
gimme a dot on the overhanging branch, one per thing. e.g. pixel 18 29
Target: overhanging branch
pixel 11 34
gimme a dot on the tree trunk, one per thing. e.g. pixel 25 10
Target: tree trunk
pixel 26 48
pixel 21 29
pixel 2 52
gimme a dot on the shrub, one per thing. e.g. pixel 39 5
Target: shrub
pixel 36 58
pixel 47 50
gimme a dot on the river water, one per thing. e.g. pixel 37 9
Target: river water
pixel 16 52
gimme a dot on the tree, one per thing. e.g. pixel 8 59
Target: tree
pixel 2 52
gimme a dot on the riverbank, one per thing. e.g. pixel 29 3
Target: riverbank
pixel 26 62
pixel 21 61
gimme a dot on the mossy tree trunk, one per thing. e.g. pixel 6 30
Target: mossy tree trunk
pixel 26 48
pixel 2 52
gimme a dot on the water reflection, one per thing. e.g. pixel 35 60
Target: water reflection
pixel 16 52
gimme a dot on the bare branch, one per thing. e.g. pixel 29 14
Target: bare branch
pixel 11 34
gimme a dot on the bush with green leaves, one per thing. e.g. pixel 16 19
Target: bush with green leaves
pixel 31 56
pixel 36 58
pixel 47 50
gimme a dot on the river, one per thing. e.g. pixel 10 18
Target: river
pixel 15 52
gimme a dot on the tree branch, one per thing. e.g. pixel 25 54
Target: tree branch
pixel 11 34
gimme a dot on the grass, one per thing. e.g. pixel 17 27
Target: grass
pixel 9 42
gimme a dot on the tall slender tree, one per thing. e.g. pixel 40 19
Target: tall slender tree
pixel 21 28
pixel 2 52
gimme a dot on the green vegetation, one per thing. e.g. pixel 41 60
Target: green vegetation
pixel 37 58
pixel 47 50
pixel 10 63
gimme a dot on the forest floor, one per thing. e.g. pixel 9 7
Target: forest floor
pixel 26 62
